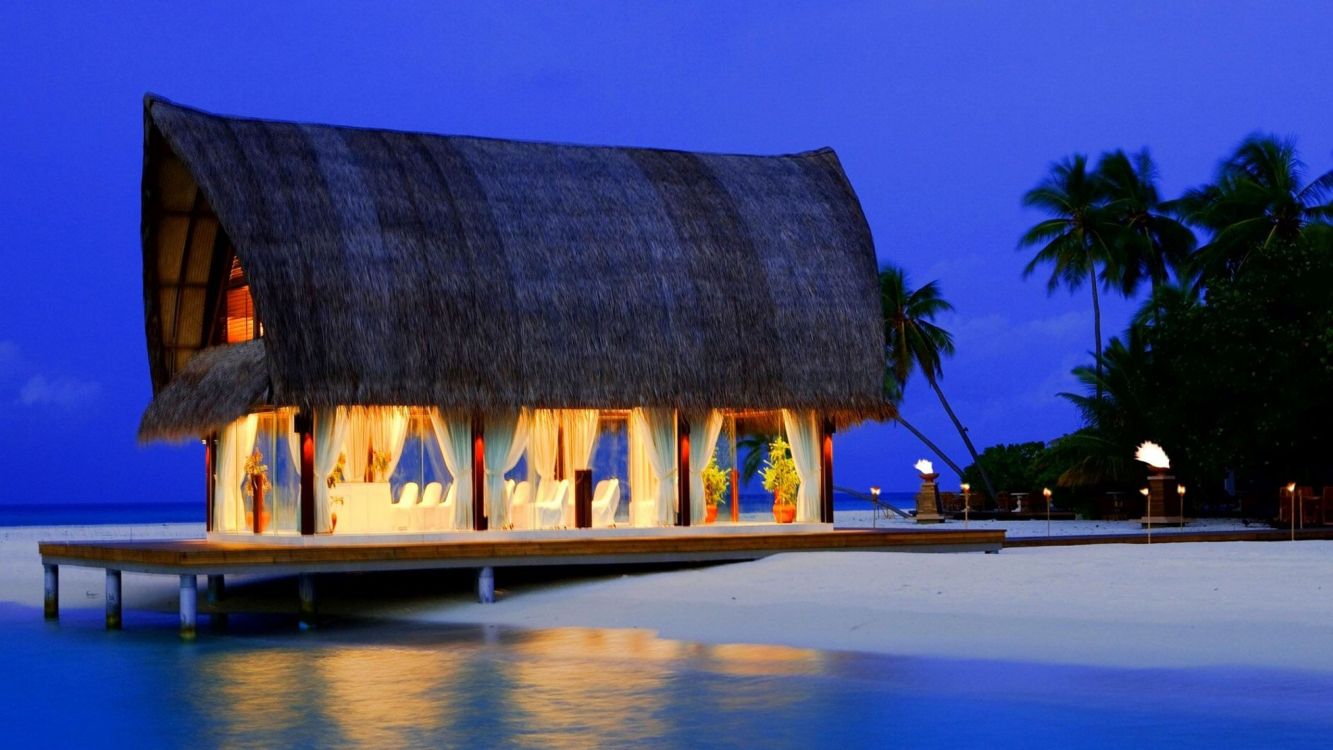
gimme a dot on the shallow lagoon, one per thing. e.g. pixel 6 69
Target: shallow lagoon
pixel 353 683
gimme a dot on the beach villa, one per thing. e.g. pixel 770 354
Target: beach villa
pixel 380 332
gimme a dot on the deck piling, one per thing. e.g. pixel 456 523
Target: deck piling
pixel 112 599
pixel 189 606
pixel 486 585
pixel 217 588
pixel 51 600
pixel 305 584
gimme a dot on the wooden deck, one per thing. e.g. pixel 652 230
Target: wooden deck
pixel 200 557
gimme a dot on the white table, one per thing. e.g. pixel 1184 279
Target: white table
pixel 366 507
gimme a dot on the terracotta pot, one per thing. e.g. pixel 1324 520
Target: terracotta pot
pixel 784 513
pixel 333 522
pixel 710 513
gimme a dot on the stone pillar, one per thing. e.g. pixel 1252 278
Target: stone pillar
pixel 112 599
pixel 1161 495
pixel 928 500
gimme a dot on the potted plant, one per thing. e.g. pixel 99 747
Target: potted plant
pixel 781 479
pixel 715 488
pixel 332 481
pixel 256 474
pixel 379 463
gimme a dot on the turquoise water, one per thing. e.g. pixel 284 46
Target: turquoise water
pixel 381 685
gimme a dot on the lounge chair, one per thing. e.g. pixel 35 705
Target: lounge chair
pixel 551 498
pixel 605 503
pixel 403 516
pixel 520 506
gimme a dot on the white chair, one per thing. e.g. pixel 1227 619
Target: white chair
pixel 605 503
pixel 404 517
pixel 551 503
pixel 426 514
pixel 520 506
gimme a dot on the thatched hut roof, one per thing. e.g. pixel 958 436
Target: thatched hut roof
pixel 404 268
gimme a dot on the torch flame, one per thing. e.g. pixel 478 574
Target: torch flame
pixel 1152 454
pixel 925 467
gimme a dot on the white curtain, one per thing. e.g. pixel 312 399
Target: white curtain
pixel 390 435
pixel 704 431
pixel 506 438
pixel 234 446
pixel 581 435
pixel 656 431
pixel 454 434
pixel 543 451
pixel 381 428
pixel 330 432
pixel 642 483
pixel 803 435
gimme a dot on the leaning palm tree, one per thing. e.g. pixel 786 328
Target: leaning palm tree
pixel 1260 197
pixel 912 342
pixel 1152 244
pixel 1078 238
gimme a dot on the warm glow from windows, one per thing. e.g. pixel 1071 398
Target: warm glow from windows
pixel 240 324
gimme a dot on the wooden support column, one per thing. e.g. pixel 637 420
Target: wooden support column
pixel 51 598
pixel 305 428
pixel 210 483
pixel 682 470
pixel 486 585
pixel 305 588
pixel 826 472
pixel 735 472
pixel 583 498
pixel 189 606
pixel 112 599
pixel 217 588
pixel 478 475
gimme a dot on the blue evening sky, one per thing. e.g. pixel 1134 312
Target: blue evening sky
pixel 942 112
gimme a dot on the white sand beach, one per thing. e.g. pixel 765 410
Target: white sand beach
pixel 1259 604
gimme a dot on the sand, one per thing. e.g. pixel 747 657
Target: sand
pixel 1254 604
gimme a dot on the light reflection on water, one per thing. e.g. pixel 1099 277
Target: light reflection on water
pixel 384 685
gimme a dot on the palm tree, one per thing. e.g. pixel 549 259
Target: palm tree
pixel 1151 244
pixel 913 342
pixel 1260 197
pixel 1078 237
pixel 1115 419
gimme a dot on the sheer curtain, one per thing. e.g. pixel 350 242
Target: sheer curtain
pixel 234 446
pixel 580 439
pixel 330 432
pixel 543 449
pixel 390 434
pixel 704 431
pixel 506 438
pixel 803 435
pixel 642 483
pixel 657 433
pixel 453 431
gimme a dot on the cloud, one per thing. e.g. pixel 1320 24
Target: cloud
pixel 63 392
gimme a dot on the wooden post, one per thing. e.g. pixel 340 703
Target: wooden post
pixel 826 473
pixel 189 606
pixel 305 428
pixel 682 470
pixel 583 498
pixel 478 475
pixel 112 599
pixel 51 599
pixel 305 587
pixel 210 485
pixel 735 475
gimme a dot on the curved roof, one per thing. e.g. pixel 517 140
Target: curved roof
pixel 392 267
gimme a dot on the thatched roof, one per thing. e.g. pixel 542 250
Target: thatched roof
pixel 216 386
pixel 404 268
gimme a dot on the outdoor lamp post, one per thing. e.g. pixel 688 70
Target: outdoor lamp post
pixel 1291 493
pixel 967 501
pixel 1180 491
pixel 1046 493
pixel 1147 517
pixel 874 511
